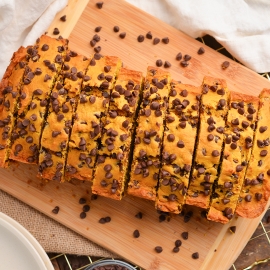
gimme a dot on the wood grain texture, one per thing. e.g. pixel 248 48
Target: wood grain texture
pixel 218 248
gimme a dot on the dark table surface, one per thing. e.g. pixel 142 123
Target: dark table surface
pixel 256 254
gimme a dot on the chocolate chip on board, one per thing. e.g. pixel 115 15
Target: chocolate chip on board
pixel 116 29
pixel 158 249
pixel 225 64
pixel 195 255
pixel 184 235
pixel 99 5
pixel 97 29
pixel 159 63
pixel 156 41
pixel 136 234
pixel 82 215
pixel 56 31
pixel 63 18
pixel 140 38
pixel 122 35
pixel 201 50
pixel 56 210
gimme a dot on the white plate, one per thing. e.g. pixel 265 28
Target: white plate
pixel 19 249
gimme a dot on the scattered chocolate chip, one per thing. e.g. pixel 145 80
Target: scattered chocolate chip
pixel 98 28
pixel 225 64
pixel 86 208
pixel 99 5
pixel 158 249
pixel 167 64
pixel 139 215
pixel 122 35
pixel 184 235
pixel 201 50
pixel 195 255
pixel 178 56
pixel 82 215
pixel 116 29
pixel 176 249
pixel 56 31
pixel 184 63
pixel 82 201
pixel 149 35
pixel 178 243
pixel 63 18
pixel 56 210
pixel 165 40
pixel 136 234
pixel 232 229
pixel 140 38
pixel 159 63
pixel 187 57
pixel 156 41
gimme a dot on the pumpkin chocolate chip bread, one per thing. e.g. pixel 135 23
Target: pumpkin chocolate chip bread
pixel 178 146
pixel 89 117
pixel 214 108
pixel 10 89
pixel 112 163
pixel 256 188
pixel 149 135
pixel 45 62
pixel 239 132
pixel 62 106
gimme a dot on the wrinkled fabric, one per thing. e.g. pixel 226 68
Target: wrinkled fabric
pixel 22 22
pixel 241 26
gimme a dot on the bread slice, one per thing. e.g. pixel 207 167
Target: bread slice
pixel 62 107
pixel 239 132
pixel 89 118
pixel 10 90
pixel 112 164
pixel 256 188
pixel 45 62
pixel 178 146
pixel 149 135
pixel 214 108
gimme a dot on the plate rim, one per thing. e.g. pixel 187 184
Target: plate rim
pixel 27 237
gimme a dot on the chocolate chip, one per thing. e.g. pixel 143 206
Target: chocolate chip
pixel 220 130
pixel 56 31
pixel 156 41
pixel 182 124
pixel 82 215
pixel 165 40
pixel 139 215
pixel 262 129
pixel 18 148
pixel 29 139
pixel 184 63
pixel 158 249
pixel 178 56
pixel 170 137
pixel 184 235
pixel 122 35
pixel 99 5
pixel 98 28
pixel 201 50
pixel 187 57
pixel 239 168
pixel 178 243
pixel 63 18
pixel 232 229
pixel 140 38
pixel 56 210
pixel 45 47
pixel 167 64
pixel 215 153
pixel 233 146
pixel 86 208
pixel 176 249
pixel 245 124
pixel 210 137
pixel 159 63
pixel 248 198
pixel 136 234
pixel 55 133
pixel 258 196
pixel 116 29
pixel 180 144
pixel 263 153
pixel 225 64
pixel 38 92
pixel 82 201
pixel 195 255
pixel 221 92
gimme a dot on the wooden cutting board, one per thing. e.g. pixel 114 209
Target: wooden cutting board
pixel 217 247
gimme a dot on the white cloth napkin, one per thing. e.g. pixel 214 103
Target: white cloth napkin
pixel 22 22
pixel 241 26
